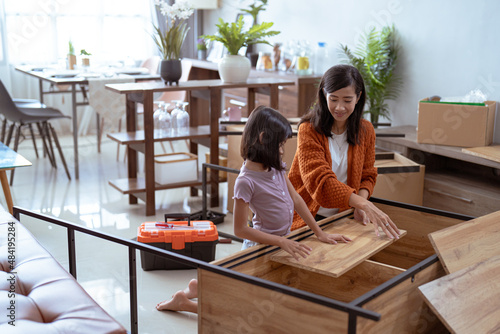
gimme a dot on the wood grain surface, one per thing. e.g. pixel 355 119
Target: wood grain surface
pixel 468 243
pixel 486 152
pixel 467 301
pixel 335 260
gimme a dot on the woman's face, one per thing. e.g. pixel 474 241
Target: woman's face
pixel 341 103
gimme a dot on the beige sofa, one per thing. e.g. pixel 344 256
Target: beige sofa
pixel 37 295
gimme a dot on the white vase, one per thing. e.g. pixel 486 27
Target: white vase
pixel 234 69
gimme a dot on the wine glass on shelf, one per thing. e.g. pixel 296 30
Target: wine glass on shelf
pixel 175 112
pixel 156 116
pixel 183 119
pixel 165 122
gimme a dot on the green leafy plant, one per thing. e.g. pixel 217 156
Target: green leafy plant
pixel 170 42
pixel 376 59
pixel 71 48
pixel 255 9
pixel 234 38
pixel 84 53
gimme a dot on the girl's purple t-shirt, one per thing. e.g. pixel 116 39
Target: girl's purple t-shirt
pixel 268 198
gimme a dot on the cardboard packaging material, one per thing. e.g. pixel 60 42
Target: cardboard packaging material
pixel 455 124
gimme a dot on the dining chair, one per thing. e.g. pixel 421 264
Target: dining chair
pixel 27 113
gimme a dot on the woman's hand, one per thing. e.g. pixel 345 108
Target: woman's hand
pixel 361 216
pixel 295 248
pixel 333 238
pixel 379 219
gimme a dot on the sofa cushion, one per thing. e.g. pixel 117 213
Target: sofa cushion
pixel 37 294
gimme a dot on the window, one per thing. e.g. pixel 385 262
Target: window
pixel 39 31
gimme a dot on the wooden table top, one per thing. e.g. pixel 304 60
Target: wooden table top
pixel 335 260
pixel 127 88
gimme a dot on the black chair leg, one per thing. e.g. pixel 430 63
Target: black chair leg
pixel 9 135
pixel 56 140
pixel 33 138
pixel 49 140
pixel 45 145
pixel 16 146
pixel 4 128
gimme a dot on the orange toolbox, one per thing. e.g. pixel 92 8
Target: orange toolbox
pixel 196 239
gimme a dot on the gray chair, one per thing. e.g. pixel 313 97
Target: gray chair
pixel 25 113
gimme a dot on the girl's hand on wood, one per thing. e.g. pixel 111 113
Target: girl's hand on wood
pixel 333 238
pixel 295 248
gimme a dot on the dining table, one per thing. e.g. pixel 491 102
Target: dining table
pixel 75 83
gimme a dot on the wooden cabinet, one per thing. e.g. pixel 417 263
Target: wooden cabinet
pixel 454 181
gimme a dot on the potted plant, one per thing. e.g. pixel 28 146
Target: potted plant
pixel 254 9
pixel 376 59
pixel 201 46
pixel 85 57
pixel 170 40
pixel 71 56
pixel 234 67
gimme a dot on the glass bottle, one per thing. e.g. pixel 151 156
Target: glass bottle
pixel 303 65
pixel 264 63
pixel 183 120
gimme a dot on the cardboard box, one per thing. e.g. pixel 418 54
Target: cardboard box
pixel 235 161
pixel 452 124
pixel 399 179
pixel 197 240
pixel 176 168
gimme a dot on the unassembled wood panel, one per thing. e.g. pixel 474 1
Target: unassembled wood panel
pixel 485 152
pixel 227 305
pixel 468 301
pixel 334 260
pixel 468 243
pixel 402 308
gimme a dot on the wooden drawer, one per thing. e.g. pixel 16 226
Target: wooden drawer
pixel 399 179
pixel 463 194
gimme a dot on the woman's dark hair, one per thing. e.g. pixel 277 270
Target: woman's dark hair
pixel 337 77
pixel 265 130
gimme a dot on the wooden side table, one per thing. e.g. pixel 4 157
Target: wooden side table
pixel 9 159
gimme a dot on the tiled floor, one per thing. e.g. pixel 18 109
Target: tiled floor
pixel 92 202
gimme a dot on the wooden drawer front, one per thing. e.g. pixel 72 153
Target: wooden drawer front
pixel 461 195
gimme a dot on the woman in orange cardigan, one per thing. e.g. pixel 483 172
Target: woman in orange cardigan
pixel 333 168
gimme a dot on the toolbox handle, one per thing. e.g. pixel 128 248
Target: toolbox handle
pixel 179 215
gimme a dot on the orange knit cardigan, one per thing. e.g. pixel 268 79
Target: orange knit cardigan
pixel 312 176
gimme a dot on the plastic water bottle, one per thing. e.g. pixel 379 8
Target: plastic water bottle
pixel 321 61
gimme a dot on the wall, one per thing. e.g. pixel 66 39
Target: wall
pixel 448 47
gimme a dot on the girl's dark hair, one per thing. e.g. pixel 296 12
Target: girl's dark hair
pixel 337 77
pixel 265 130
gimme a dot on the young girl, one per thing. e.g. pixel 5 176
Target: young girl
pixel 263 187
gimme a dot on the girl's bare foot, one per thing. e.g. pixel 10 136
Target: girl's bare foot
pixel 192 289
pixel 179 302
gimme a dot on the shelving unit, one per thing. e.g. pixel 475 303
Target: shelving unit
pixel 143 141
pixel 454 181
